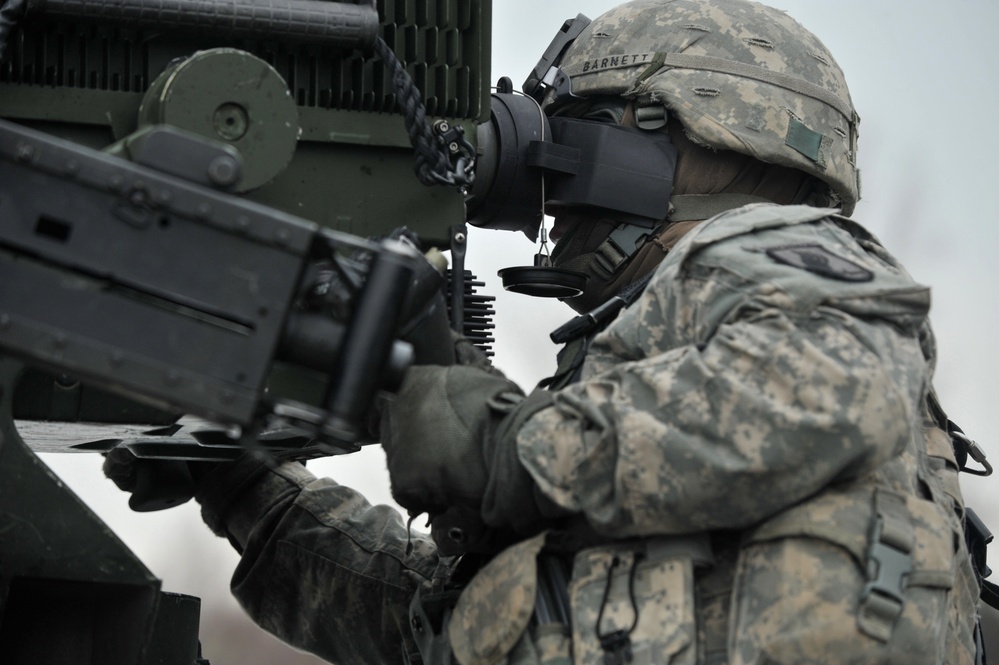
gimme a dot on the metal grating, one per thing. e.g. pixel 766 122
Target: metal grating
pixel 442 43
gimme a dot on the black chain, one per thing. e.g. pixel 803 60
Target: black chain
pixel 433 165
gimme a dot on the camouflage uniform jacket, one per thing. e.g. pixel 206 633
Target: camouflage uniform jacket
pixel 754 441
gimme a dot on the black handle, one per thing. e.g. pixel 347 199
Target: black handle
pixel 336 23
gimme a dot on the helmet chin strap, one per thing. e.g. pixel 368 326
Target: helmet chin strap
pixel 606 267
pixel 616 250
pixel 570 278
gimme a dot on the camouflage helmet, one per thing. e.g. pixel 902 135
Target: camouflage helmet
pixel 736 74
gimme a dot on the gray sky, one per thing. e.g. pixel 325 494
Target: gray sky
pixel 923 78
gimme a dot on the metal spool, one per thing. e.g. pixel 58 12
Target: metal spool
pixel 229 95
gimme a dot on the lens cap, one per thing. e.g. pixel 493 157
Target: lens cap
pixel 543 282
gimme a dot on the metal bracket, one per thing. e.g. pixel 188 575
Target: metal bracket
pixel 543 73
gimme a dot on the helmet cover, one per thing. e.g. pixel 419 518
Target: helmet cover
pixel 737 75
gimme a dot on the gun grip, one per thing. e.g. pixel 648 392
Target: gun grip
pixel 161 484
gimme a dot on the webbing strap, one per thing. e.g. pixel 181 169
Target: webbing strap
pixel 743 70
pixel 653 62
pixel 691 207
pixel 570 361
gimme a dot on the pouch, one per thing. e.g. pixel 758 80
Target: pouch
pixel 639 593
pixel 494 610
pixel 801 587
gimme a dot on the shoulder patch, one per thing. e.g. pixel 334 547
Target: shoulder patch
pixel 821 261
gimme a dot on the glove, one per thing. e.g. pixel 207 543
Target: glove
pixel 157 484
pixel 450 441
pixel 430 334
pixel 153 484
pixel 425 315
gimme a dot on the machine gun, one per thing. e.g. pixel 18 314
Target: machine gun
pixel 148 285
pixel 184 205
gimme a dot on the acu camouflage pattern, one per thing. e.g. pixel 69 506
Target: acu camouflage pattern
pixel 504 588
pixel 327 572
pixel 779 412
pixel 745 396
pixel 737 75
pixel 633 591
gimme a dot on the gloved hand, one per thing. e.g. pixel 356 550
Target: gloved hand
pixel 156 484
pixel 429 331
pixel 450 441
pixel 425 322
pixel 153 484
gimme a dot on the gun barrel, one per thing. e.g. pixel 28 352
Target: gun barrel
pixel 337 23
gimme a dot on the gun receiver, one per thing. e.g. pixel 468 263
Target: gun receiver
pixel 183 296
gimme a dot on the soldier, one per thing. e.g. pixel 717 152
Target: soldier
pixel 746 465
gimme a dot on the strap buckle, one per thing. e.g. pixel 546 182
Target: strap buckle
pixel 621 244
pixel 888 566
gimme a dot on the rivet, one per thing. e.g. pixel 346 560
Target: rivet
pixel 137 197
pixel 223 171
pixel 25 152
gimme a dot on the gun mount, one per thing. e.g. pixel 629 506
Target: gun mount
pixel 178 175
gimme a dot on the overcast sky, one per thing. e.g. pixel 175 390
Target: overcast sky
pixel 923 78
